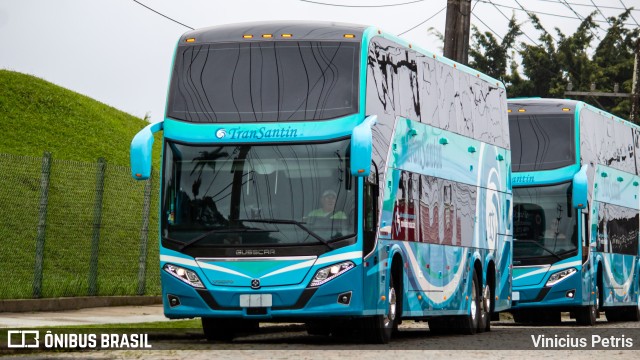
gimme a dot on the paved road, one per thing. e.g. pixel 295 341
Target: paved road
pixel 90 316
pixel 290 341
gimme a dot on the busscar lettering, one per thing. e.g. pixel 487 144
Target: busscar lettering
pixel 254 252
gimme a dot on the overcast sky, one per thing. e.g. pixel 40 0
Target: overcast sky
pixel 119 52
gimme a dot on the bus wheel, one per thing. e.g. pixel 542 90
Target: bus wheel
pixel 587 315
pixel 485 310
pixel 378 329
pixel 226 329
pixel 468 324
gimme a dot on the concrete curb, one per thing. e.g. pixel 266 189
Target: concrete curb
pixel 74 303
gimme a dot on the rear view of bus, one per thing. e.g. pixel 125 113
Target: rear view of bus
pixel 575 214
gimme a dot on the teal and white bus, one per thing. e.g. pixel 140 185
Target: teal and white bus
pixel 576 212
pixel 333 175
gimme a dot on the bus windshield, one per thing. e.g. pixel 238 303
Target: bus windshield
pixel 541 142
pixel 264 81
pixel 545 224
pixel 257 195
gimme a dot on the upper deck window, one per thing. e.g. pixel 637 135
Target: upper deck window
pixel 264 81
pixel 542 142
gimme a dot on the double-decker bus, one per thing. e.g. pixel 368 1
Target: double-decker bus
pixel 330 174
pixel 576 212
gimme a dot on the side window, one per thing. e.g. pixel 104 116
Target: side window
pixel 430 209
pixel 585 235
pixel 405 212
pixel 370 207
pixel 618 229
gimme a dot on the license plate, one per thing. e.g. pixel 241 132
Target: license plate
pixel 256 300
pixel 515 296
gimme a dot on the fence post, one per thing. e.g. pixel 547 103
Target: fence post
pixel 97 220
pixel 144 237
pixel 42 224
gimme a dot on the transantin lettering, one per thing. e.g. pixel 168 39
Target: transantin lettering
pixel 262 133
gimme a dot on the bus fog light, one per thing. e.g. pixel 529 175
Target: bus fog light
pixel 173 300
pixel 571 294
pixel 560 275
pixel 185 275
pixel 329 273
pixel 344 298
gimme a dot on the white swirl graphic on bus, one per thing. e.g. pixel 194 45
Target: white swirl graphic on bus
pixel 221 133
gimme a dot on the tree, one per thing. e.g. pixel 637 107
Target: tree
pixel 488 55
pixel 546 67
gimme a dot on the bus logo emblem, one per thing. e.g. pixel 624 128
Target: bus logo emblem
pixel 255 284
pixel 221 133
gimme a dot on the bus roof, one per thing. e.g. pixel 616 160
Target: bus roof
pixel 550 105
pixel 274 30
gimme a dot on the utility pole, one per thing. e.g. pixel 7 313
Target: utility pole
pixel 635 90
pixel 456 32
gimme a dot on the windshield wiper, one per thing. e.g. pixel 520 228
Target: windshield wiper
pixel 218 231
pixel 291 222
pixel 540 246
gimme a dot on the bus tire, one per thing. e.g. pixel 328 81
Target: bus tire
pixel 485 309
pixel 586 315
pixel 468 324
pixel 378 329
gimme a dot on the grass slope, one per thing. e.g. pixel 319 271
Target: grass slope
pixel 37 116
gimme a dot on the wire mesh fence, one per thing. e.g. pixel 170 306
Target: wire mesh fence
pixel 76 229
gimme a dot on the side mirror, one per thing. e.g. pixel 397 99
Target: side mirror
pixel 141 150
pixel 579 192
pixel 361 146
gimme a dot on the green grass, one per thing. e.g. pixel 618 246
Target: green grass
pixel 37 116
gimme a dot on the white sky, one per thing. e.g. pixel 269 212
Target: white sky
pixel 120 53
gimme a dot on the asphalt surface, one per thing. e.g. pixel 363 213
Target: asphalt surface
pixel 415 341
pixel 90 316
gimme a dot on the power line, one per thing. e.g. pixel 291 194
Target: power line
pixel 598 9
pixel 487 26
pixel 432 16
pixel 587 5
pixel 541 13
pixel 161 14
pixel 625 8
pixel 362 6
pixel 506 17
pixel 528 13
pixel 582 19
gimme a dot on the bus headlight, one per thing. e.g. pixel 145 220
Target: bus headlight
pixel 329 273
pixel 559 276
pixel 186 275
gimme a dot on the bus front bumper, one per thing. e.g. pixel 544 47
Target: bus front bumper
pixel 340 297
pixel 565 294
